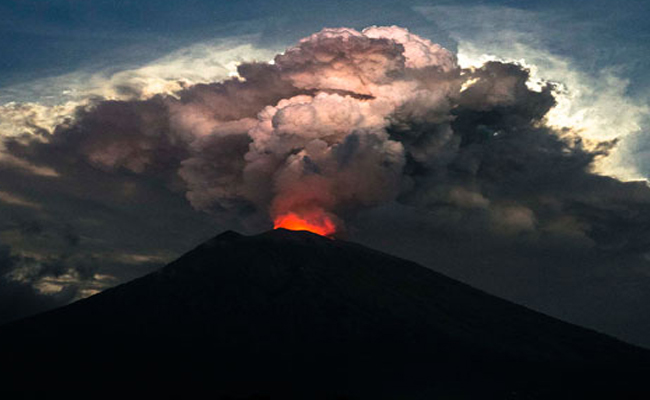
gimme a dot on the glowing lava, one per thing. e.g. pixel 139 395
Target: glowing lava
pixel 318 223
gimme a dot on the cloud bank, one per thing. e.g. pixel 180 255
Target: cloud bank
pixel 342 121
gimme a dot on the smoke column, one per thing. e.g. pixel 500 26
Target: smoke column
pixel 341 122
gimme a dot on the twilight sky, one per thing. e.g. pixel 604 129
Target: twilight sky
pixel 503 143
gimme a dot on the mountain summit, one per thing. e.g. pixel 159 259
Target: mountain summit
pixel 288 314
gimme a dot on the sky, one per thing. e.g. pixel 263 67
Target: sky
pixel 503 143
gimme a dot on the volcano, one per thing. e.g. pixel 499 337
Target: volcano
pixel 291 314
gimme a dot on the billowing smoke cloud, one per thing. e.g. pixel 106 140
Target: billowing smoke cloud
pixel 343 121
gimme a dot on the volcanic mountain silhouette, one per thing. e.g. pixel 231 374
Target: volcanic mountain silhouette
pixel 291 314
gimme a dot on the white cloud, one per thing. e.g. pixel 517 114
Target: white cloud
pixel 206 61
pixel 15 200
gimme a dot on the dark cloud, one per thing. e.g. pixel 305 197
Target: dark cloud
pixel 18 296
pixel 31 228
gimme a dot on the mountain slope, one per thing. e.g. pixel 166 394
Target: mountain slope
pixel 293 314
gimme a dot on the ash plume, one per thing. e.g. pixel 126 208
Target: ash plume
pixel 341 122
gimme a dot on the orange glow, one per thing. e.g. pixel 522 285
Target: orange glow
pixel 315 222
